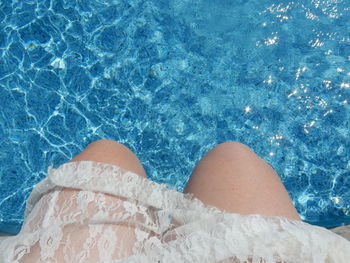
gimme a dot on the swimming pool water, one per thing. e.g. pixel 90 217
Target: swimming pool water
pixel 171 79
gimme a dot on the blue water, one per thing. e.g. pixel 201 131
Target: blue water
pixel 171 79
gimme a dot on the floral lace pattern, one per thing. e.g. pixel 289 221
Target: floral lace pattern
pixel 96 212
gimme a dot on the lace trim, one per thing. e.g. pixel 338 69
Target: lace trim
pixel 188 230
pixel 127 184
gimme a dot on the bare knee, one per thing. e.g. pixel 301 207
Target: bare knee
pixel 111 152
pixel 236 153
pixel 107 148
pixel 104 150
pixel 103 143
pixel 233 149
pixel 107 144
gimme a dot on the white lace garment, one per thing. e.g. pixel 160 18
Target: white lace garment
pixel 95 212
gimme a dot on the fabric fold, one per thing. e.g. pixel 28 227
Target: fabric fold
pixel 110 205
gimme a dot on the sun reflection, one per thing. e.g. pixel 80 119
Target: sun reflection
pixel 310 16
pixel 309 125
pixel 274 8
pixel 345 85
pixel 316 43
pixel 270 41
pixel 328 112
pixel 292 93
pixel 282 17
pixel 303 69
pixel 269 80
pixel 322 102
pixel 276 139
pixel 336 199
pixel 327 83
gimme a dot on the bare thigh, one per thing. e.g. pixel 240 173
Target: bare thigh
pixel 235 179
pixel 106 151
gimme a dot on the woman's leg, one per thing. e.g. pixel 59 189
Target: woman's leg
pixel 90 242
pixel 112 152
pixel 233 178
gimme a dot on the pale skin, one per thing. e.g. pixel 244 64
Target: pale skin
pixel 230 176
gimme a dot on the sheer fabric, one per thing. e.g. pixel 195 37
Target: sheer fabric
pixel 96 212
